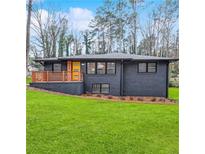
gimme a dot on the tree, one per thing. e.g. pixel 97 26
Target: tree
pixel 28 32
pixel 167 13
pixel 62 37
pixel 102 27
pixel 77 50
pixel 133 23
pixel 87 36
pixel 120 22
pixel 49 33
pixel 68 40
pixel 159 31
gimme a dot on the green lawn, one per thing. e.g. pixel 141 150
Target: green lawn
pixel 28 80
pixel 174 93
pixel 68 124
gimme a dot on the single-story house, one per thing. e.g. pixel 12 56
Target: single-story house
pixel 116 74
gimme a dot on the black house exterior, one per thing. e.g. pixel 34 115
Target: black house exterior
pixel 113 74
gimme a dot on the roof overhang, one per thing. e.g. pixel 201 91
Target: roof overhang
pixel 107 57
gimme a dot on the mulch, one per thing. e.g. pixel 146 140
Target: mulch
pixel 126 99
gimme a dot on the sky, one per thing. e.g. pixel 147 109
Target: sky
pixel 80 12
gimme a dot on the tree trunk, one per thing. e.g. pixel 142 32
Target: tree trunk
pixel 28 32
pixel 67 49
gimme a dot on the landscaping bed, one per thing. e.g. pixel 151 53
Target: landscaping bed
pixel 132 98
pixel 128 99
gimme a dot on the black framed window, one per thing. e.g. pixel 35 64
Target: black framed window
pixel 103 88
pixel 110 68
pixel 96 88
pixel 91 68
pixel 57 67
pixel 151 67
pixel 101 67
pixel 142 67
pixel 147 67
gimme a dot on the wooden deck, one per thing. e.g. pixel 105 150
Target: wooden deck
pixel 64 76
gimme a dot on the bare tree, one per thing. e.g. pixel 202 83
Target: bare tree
pixel 49 29
pixel 28 32
pixel 157 33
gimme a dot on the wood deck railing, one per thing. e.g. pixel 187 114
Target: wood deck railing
pixel 48 76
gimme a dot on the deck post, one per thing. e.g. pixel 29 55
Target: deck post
pixel 46 75
pixel 63 75
pixel 35 77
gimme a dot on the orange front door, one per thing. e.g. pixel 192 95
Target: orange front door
pixel 75 71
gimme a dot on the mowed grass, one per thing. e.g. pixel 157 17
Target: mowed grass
pixel 28 80
pixel 174 93
pixel 69 124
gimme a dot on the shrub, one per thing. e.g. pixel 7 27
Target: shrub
pixel 131 98
pixel 140 99
pixel 162 100
pixel 122 98
pixel 153 99
pixel 174 82
pixel 109 97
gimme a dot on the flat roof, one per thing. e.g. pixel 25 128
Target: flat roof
pixel 109 56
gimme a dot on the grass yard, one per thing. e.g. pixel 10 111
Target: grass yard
pixel 174 93
pixel 28 80
pixel 68 124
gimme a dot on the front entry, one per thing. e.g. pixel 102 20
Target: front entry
pixel 76 71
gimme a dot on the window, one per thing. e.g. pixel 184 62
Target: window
pixel 142 67
pixel 151 67
pixel 96 88
pixel 110 68
pixel 103 88
pixel 101 67
pixel 91 68
pixel 147 67
pixel 56 67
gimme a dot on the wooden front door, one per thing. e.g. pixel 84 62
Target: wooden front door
pixel 75 71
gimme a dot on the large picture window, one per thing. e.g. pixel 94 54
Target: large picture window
pixel 147 67
pixel 101 67
pixel 103 88
pixel 91 68
pixel 110 68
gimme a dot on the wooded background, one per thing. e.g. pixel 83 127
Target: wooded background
pixel 117 27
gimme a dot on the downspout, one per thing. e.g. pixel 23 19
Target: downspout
pixel 167 81
pixel 122 79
